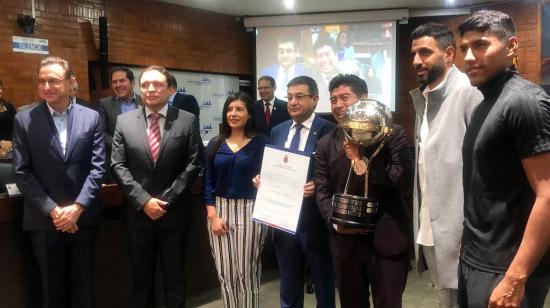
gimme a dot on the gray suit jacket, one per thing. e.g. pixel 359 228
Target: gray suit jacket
pixel 170 178
pixel 450 107
pixel 109 110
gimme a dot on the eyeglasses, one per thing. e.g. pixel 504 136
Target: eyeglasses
pixel 52 82
pixel 298 96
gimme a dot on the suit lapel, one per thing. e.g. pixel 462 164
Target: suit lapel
pixel 51 129
pixel 72 133
pixel 171 116
pixel 142 131
pixel 313 135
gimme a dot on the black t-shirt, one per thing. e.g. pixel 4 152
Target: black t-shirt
pixel 512 123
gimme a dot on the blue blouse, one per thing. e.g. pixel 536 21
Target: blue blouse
pixel 230 173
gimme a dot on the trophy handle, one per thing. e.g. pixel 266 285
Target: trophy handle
pixel 349 175
pixel 367 162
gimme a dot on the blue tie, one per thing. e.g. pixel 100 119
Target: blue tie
pixel 295 143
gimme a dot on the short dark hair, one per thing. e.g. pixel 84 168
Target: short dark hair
pixel 129 73
pixel 443 36
pixel 268 78
pixel 51 60
pixel 172 82
pixel 357 85
pixel 325 42
pixel 304 80
pixel 157 68
pixel 288 39
pixel 495 22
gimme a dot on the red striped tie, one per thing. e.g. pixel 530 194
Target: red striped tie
pixel 154 135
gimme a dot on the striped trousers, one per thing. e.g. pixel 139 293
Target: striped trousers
pixel 237 254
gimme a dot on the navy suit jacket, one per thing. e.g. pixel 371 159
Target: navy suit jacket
pixel 279 114
pixel 48 178
pixel 274 70
pixel 186 102
pixel 312 229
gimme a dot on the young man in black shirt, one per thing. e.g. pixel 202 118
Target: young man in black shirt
pixel 504 260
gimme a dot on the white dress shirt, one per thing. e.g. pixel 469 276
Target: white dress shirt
pixel 162 112
pixel 304 133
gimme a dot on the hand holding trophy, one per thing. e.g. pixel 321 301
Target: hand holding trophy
pixel 367 123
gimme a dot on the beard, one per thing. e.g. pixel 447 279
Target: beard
pixel 433 73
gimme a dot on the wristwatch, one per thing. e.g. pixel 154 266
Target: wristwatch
pixel 360 167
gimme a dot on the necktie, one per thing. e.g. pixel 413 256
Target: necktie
pixel 154 135
pixel 267 114
pixel 295 143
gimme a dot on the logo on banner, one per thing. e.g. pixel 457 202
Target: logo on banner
pixel 224 94
pixel 285 159
pixel 207 128
pixel 200 81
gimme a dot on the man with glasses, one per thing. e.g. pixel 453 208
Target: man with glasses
pixel 155 160
pixel 269 111
pixel 376 260
pixel 309 246
pixel 59 163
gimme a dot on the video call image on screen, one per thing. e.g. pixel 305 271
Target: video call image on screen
pixel 321 52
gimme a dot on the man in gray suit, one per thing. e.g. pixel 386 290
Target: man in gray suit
pixel 124 100
pixel 443 104
pixel 155 160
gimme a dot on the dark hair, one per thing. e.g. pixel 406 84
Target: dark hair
pixel 51 60
pixel 288 39
pixel 490 21
pixel 325 42
pixel 348 42
pixel 172 82
pixel 225 129
pixel 129 73
pixel 157 68
pixel 357 85
pixel 305 80
pixel 442 35
pixel 268 78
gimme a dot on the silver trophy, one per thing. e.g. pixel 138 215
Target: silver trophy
pixel 368 123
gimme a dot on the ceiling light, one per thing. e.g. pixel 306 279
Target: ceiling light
pixel 289 4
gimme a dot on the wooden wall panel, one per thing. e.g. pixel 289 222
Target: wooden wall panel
pixel 141 32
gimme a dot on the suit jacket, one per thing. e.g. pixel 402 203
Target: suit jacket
pixel 170 178
pixel 186 102
pixel 279 114
pixel 390 175
pixel 312 230
pixel 48 178
pixel 109 110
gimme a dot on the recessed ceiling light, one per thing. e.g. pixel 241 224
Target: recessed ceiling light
pixel 289 4
pixel 450 2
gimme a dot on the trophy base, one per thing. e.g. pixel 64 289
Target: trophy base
pixel 354 211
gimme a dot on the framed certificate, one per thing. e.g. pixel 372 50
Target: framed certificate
pixel 281 192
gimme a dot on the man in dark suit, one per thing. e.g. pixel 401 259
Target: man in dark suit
pixel 58 164
pixel 182 101
pixel 155 160
pixel 124 100
pixel 310 243
pixel 378 258
pixel 269 111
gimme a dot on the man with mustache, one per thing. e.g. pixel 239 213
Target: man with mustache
pixel 443 103
pixel 504 260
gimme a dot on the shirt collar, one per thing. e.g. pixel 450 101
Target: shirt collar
pixel 121 100
pixel 272 101
pixel 64 111
pixel 307 123
pixel 171 98
pixel 163 111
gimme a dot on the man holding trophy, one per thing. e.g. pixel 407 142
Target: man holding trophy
pixel 368 223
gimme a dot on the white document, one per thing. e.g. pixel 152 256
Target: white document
pixel 281 192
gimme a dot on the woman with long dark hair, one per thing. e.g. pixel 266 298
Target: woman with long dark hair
pixel 233 159
pixel 7 114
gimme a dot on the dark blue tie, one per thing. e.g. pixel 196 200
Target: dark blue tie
pixel 295 143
